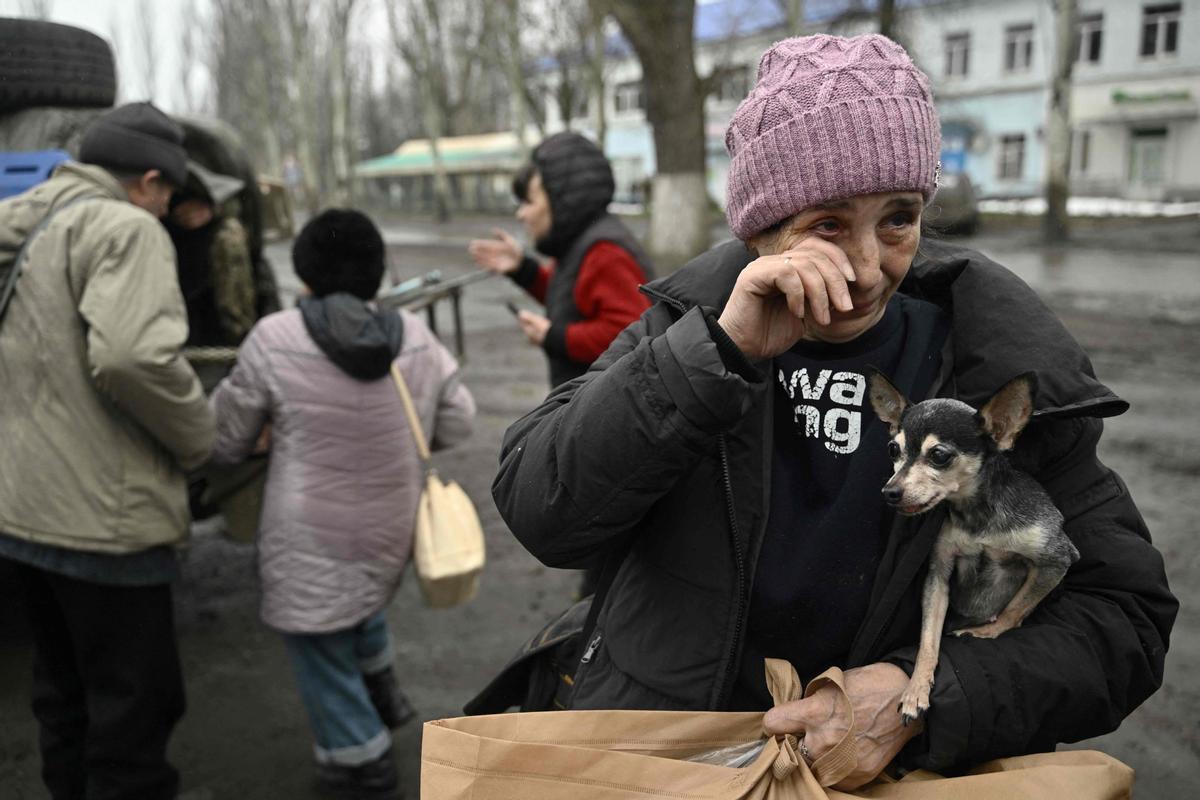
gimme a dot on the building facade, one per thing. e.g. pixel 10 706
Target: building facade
pixel 1134 97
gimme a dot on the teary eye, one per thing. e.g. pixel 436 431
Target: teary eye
pixel 940 456
pixel 894 451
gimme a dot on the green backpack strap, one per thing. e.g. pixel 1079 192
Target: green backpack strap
pixel 9 287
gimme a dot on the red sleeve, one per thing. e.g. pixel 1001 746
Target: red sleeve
pixel 538 287
pixel 606 293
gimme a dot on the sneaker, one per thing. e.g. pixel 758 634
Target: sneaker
pixel 392 705
pixel 374 780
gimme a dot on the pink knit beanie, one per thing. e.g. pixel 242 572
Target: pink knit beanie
pixel 829 118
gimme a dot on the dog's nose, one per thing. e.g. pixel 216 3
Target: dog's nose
pixel 892 495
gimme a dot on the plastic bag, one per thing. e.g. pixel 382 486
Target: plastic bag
pixel 737 755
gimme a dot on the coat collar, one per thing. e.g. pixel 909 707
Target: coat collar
pixel 94 177
pixel 1001 328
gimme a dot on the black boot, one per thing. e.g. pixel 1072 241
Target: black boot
pixel 374 780
pixel 394 709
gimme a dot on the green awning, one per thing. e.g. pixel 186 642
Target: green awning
pixel 483 153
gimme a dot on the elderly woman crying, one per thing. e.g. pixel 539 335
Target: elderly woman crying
pixel 723 460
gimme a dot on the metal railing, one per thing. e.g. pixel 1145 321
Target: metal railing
pixel 415 294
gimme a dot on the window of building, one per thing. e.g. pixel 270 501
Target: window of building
pixel 958 54
pixel 1148 160
pixel 1089 35
pixel 733 84
pixel 1018 47
pixel 1081 151
pixel 1160 29
pixel 1011 162
pixel 629 97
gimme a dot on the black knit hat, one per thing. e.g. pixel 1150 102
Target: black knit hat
pixel 136 138
pixel 340 250
pixel 579 182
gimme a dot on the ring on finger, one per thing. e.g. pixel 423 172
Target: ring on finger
pixel 807 756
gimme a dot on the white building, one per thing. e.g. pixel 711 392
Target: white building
pixel 1135 85
pixel 1134 97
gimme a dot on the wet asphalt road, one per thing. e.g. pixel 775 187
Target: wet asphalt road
pixel 1130 298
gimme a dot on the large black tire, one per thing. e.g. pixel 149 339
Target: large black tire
pixel 47 64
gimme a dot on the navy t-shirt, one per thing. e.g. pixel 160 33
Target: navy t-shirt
pixel 828 524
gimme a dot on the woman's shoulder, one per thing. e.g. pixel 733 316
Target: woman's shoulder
pixel 275 328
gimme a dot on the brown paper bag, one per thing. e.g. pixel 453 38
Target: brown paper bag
pixel 621 755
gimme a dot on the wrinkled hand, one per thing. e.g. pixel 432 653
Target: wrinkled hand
pixel 776 295
pixel 534 325
pixel 823 719
pixel 501 255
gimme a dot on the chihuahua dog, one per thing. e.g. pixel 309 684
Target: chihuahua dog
pixel 1002 548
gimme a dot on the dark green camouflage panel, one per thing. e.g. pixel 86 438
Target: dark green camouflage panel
pixel 233 280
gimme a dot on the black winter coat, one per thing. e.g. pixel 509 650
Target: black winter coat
pixel 661 452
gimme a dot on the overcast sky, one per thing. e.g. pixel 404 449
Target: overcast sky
pixel 117 21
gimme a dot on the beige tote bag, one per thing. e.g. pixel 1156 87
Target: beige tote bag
pixel 622 755
pixel 448 548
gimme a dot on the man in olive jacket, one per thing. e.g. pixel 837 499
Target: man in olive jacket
pixel 101 416
pixel 660 457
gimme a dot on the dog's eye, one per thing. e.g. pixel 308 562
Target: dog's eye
pixel 940 456
pixel 894 451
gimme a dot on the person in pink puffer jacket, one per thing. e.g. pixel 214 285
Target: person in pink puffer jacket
pixel 343 483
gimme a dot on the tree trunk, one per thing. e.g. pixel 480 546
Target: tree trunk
pixel 596 75
pixel 795 17
pixel 436 120
pixel 1056 224
pixel 887 18
pixel 340 15
pixel 661 35
pixel 512 55
pixel 303 113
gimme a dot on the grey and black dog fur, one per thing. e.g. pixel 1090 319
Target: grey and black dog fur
pixel 1002 548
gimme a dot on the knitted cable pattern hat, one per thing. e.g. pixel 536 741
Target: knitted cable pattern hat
pixel 829 118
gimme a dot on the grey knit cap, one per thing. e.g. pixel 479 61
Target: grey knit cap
pixel 136 138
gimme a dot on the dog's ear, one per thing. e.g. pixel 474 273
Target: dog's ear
pixel 886 399
pixel 1004 416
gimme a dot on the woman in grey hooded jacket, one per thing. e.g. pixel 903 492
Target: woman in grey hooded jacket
pixel 343 484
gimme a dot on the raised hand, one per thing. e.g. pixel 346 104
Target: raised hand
pixel 501 255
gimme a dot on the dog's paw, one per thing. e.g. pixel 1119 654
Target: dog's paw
pixel 915 701
pixel 989 631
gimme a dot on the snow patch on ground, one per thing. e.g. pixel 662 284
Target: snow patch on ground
pixel 1092 207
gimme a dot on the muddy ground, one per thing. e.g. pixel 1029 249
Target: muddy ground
pixel 245 737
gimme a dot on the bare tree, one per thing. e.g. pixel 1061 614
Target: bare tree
pixel 661 35
pixel 887 18
pixel 597 74
pixel 297 19
pixel 507 51
pixel 189 56
pixel 247 69
pixel 146 35
pixel 341 13
pixel 1056 223
pixel 442 45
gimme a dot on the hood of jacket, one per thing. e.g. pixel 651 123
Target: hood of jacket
pixel 1001 328
pixel 579 182
pixel 359 339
